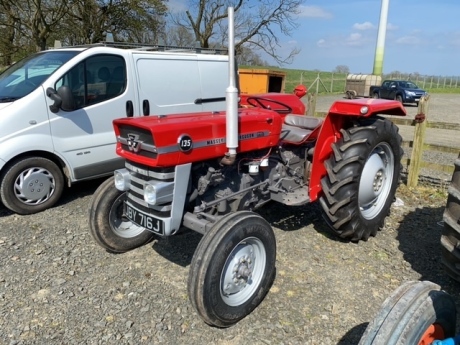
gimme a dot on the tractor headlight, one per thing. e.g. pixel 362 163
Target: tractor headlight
pixel 122 179
pixel 157 192
pixel 150 195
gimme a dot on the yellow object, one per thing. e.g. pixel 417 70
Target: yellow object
pixel 254 81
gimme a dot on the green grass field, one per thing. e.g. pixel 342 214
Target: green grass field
pixel 327 82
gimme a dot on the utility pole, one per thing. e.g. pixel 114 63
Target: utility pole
pixel 380 48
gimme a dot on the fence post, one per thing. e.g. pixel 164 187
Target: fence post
pixel 417 144
pixel 311 104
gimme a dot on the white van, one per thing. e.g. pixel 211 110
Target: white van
pixel 57 107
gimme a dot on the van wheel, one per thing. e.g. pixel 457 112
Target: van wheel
pixel 399 99
pixel 375 95
pixel 31 185
pixel 416 313
pixel 108 223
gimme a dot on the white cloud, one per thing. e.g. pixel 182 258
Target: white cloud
pixel 409 40
pixel 355 39
pixel 313 12
pixel 392 27
pixel 363 26
pixel 322 43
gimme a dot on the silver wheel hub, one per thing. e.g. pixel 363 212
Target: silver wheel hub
pixel 243 271
pixel 34 186
pixel 376 180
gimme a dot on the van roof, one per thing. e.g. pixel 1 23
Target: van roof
pixel 149 48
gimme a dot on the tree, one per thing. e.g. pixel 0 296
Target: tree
pixel 342 69
pixel 136 20
pixel 255 24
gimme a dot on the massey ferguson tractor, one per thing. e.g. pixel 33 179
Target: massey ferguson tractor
pixel 210 171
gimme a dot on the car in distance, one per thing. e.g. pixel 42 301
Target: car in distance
pixel 401 90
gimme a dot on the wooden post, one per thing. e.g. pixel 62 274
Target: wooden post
pixel 311 104
pixel 417 145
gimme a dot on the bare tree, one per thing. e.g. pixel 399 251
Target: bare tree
pixel 137 20
pixel 256 24
pixel 342 69
pixel 178 36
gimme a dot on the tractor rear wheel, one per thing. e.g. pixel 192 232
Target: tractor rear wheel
pixel 362 176
pixel 450 239
pixel 233 268
pixel 416 313
pixel 108 224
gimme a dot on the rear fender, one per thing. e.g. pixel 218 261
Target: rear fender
pixel 340 115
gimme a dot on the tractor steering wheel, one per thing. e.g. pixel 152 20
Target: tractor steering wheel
pixel 261 102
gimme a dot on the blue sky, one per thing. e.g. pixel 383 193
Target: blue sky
pixel 422 36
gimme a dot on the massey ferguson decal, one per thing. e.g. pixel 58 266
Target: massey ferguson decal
pixel 133 144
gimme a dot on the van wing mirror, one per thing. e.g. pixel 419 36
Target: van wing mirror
pixel 63 99
pixel 51 93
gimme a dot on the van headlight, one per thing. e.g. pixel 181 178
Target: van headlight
pixel 122 179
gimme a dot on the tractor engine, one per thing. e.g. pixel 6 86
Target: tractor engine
pixel 254 179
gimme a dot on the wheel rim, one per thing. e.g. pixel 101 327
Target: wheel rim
pixel 34 186
pixel 120 225
pixel 376 181
pixel 434 332
pixel 243 271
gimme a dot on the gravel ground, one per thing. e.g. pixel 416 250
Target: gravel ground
pixel 58 287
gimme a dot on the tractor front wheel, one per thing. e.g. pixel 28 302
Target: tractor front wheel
pixel 232 269
pixel 362 176
pixel 416 313
pixel 108 223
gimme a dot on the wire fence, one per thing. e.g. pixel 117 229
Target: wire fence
pixel 324 82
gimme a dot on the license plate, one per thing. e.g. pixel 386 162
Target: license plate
pixel 144 220
pixel 417 99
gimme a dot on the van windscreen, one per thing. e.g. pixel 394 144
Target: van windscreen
pixel 26 75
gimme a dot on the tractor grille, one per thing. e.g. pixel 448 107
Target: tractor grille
pixel 141 174
pixel 131 136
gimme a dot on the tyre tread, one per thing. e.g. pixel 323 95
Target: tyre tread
pixel 450 238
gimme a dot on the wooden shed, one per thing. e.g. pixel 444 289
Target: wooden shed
pixel 254 81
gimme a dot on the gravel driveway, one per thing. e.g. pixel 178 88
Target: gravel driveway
pixel 59 287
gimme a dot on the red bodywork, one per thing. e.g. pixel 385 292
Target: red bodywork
pixel 258 129
pixel 340 112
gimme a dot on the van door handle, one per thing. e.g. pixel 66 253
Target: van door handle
pixel 146 107
pixel 129 109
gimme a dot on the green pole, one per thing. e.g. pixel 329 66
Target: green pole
pixel 380 48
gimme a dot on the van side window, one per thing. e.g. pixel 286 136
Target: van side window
pixel 96 79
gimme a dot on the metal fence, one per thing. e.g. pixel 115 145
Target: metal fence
pixel 325 82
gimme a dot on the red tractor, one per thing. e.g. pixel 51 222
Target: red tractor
pixel 210 171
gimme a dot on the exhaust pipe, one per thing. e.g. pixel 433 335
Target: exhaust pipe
pixel 231 96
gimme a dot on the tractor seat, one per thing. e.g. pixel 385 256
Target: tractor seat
pixel 297 128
